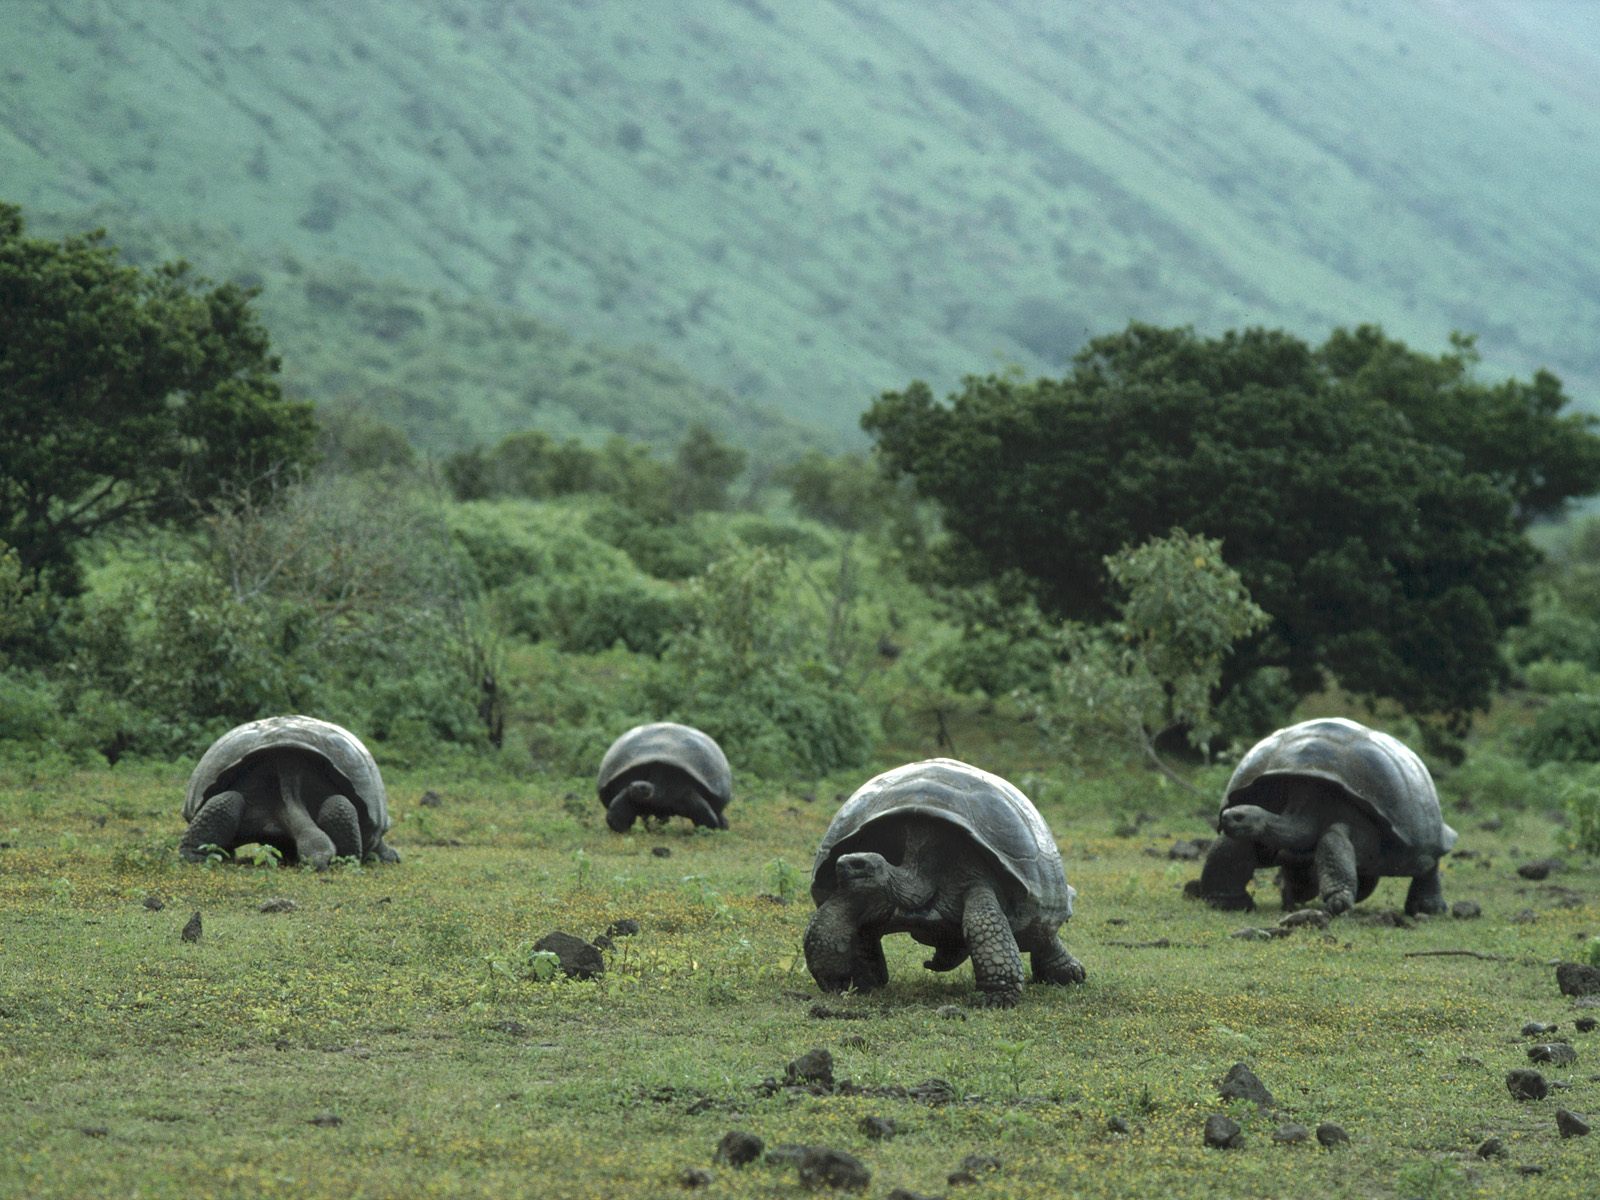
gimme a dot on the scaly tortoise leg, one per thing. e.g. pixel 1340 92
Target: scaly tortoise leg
pixel 996 962
pixel 216 824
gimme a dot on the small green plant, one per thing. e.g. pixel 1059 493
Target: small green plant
pixel 700 889
pixel 582 867
pixel 542 965
pixel 262 855
pixel 213 854
pixel 1012 1062
pixel 786 880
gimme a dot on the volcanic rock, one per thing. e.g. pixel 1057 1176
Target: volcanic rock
pixel 1330 1135
pixel 1524 1084
pixel 1570 1124
pixel 1222 1132
pixel 824 1167
pixel 1578 979
pixel 738 1147
pixel 579 960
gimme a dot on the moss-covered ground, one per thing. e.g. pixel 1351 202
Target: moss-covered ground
pixel 382 1038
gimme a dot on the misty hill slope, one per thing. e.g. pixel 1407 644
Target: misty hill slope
pixel 805 203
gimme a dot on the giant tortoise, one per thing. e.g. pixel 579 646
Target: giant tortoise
pixel 306 787
pixel 954 856
pixel 1336 806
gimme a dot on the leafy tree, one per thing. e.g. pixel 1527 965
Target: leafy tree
pixel 1158 666
pixel 1389 556
pixel 126 396
pixel 703 470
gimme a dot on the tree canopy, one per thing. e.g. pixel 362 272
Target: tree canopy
pixel 1371 498
pixel 126 395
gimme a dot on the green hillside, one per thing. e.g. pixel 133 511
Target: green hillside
pixel 805 203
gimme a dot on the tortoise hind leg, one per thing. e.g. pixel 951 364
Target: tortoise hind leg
pixel 1051 962
pixel 1426 894
pixel 947 956
pixel 1297 884
pixel 216 824
pixel 337 818
pixel 869 970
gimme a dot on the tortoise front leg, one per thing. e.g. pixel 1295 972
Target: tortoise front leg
pixel 628 805
pixel 216 824
pixel 1230 864
pixel 1426 894
pixel 1336 869
pixel 996 962
pixel 337 818
pixel 830 944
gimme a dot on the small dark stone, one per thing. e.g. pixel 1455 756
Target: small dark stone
pixel 814 1066
pixel 823 1167
pixel 326 1120
pixel 1585 1024
pixel 879 1129
pixel 901 1193
pixel 695 1177
pixel 952 1012
pixel 1240 1083
pixel 1291 1134
pixel 579 960
pixel 821 1012
pixel 1530 1169
pixel 1118 1125
pixel 191 931
pixel 1188 849
pixel 1524 916
pixel 1492 1147
pixel 1330 1135
pixel 154 903
pixel 622 927
pixel 100 1131
pixel 1570 1124
pixel 661 851
pixel 1314 917
pixel 973 1168
pixel 431 799
pixel 1538 1029
pixel 1466 910
pixel 278 904
pixel 1251 934
pixel 704 1104
pixel 1541 868
pixel 1557 1054
pixel 738 1148
pixel 1222 1132
pixel 602 942
pixel 932 1091
pixel 1578 979
pixel 1524 1084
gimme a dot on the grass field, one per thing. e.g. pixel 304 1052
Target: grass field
pixel 382 1038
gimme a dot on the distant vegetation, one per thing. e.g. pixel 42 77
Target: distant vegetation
pixel 1092 553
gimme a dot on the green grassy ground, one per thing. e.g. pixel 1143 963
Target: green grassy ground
pixel 136 1063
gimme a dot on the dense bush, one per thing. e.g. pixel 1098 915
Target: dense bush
pixel 754 673
pixel 333 600
pixel 1566 730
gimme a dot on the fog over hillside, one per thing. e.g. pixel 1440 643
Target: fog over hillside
pixel 804 202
